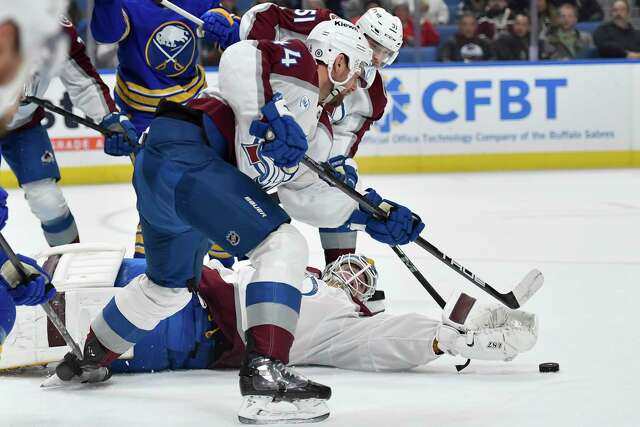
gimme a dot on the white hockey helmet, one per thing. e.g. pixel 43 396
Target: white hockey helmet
pixel 385 30
pixel 40 43
pixel 330 38
pixel 355 274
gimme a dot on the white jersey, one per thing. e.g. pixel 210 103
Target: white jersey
pixel 355 115
pixel 86 89
pixel 333 330
pixel 250 73
pixel 358 111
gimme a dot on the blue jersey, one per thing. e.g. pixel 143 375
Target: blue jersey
pixel 157 53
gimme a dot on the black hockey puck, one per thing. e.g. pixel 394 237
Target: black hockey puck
pixel 549 367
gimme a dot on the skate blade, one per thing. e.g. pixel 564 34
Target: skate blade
pixel 263 410
pixel 53 381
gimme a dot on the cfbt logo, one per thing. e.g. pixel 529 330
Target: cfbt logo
pixel 513 98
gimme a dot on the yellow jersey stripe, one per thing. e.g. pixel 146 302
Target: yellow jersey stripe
pixel 168 91
pixel 146 103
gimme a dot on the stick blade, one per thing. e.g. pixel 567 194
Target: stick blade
pixel 528 286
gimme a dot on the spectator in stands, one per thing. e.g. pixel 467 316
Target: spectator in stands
pixel 547 18
pixel 434 11
pixel 368 5
pixel 588 10
pixel 466 45
pixel 618 38
pixel 313 4
pixel 514 45
pixel 565 41
pixel 496 19
pixel 429 34
pixel 475 7
pixel 401 10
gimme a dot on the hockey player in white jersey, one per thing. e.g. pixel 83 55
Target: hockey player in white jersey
pixel 341 324
pixel 214 149
pixel 29 37
pixel 28 150
pixel 352 115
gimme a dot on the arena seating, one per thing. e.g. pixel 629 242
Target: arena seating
pixel 430 54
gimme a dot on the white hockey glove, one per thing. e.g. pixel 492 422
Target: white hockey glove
pixel 485 332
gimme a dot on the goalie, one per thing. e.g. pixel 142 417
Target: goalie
pixel 342 323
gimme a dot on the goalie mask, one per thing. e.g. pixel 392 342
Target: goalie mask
pixel 384 34
pixel 355 274
pixel 330 38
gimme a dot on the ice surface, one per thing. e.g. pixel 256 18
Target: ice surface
pixel 582 229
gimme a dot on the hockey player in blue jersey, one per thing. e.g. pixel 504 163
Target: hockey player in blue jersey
pixel 157 56
pixel 157 53
pixel 213 150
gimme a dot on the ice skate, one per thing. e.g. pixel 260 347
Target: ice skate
pixel 88 370
pixel 274 393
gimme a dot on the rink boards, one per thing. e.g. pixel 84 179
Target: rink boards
pixel 443 117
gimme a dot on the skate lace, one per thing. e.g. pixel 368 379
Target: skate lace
pixel 288 374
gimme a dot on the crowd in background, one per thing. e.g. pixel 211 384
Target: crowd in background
pixel 470 30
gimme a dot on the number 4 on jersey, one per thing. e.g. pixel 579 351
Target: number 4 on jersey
pixel 290 57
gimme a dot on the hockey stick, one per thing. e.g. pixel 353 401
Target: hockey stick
pixel 513 299
pixel 180 11
pixel 48 105
pixel 418 275
pixel 48 309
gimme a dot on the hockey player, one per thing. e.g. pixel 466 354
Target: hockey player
pixel 341 323
pixel 27 147
pixel 352 115
pixel 13 292
pixel 157 53
pixel 28 38
pixel 157 59
pixel 23 36
pixel 215 151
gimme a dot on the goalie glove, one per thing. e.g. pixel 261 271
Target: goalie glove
pixel 33 292
pixel 399 228
pixel 485 332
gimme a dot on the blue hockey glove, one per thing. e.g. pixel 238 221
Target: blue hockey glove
pixel 346 169
pixel 4 210
pixel 399 228
pixel 221 27
pixel 125 140
pixel 285 141
pixel 34 292
pixel 7 314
